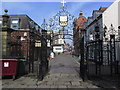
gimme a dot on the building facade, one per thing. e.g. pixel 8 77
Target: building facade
pixel 58 42
pixel 104 30
pixel 110 16
pixel 19 39
pixel 58 37
pixel 78 26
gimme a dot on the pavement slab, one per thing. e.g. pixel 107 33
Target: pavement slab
pixel 63 74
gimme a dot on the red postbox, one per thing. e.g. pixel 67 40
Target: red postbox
pixel 9 67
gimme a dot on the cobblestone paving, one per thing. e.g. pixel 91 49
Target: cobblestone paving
pixel 64 81
pixel 64 73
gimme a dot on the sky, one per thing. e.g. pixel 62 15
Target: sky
pixel 45 10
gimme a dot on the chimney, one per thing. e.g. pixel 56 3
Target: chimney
pixel 81 13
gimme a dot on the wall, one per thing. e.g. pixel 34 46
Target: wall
pixel 118 46
pixel 110 16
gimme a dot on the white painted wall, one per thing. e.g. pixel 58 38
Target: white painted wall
pixel 110 16
pixel 60 41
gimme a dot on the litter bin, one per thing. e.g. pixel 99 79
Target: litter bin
pixel 9 67
pixel 21 67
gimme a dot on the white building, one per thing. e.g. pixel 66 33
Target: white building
pixel 58 42
pixel 110 16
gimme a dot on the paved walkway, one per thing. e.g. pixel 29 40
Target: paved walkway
pixel 64 73
pixel 64 64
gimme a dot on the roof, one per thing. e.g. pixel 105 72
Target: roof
pixel 22 15
pixel 103 8
pixel 97 11
pixel 90 17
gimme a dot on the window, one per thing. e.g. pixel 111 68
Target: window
pixel 60 41
pixel 15 23
pixel 18 37
pixel 25 34
pixel 0 22
pixel 32 25
pixel 91 37
pixel 40 29
pixel 36 27
pixel 59 36
pixel 55 41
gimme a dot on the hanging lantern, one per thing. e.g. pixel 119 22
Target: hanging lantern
pixel 97 29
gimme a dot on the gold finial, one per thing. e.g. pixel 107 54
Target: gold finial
pixel 6 11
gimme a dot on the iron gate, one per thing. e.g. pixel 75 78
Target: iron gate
pixel 103 57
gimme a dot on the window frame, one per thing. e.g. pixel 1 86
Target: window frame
pixel 15 24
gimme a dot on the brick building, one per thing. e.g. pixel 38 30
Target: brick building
pixel 78 26
pixel 20 42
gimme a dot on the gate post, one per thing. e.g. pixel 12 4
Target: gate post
pixel 87 53
pixel 82 69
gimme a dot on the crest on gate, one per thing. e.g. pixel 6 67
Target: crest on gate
pixel 63 21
